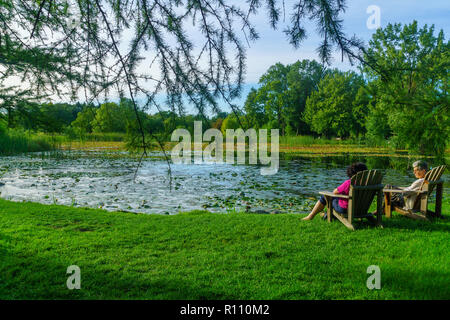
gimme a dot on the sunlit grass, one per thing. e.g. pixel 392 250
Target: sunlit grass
pixel 94 145
pixel 103 136
pixel 310 140
pixel 215 256
pixel 302 145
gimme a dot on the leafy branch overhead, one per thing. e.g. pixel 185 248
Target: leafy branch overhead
pixel 147 47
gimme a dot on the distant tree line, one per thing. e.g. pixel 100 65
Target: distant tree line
pixel 399 96
pixel 405 104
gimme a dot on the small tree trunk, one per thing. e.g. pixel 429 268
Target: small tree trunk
pixel 9 117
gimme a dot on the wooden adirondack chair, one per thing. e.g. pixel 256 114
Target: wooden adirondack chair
pixel 420 210
pixel 363 188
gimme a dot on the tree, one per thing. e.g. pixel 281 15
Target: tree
pixel 3 127
pixel 411 86
pixel 229 122
pixel 333 110
pixel 112 117
pixel 303 79
pixel 281 99
pixel 217 124
pixel 38 64
pixel 84 121
pixel 56 117
pixel 273 95
pixel 255 114
pixel 87 55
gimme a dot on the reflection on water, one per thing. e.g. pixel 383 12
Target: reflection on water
pixel 107 181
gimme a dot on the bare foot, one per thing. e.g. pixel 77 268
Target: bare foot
pixel 307 218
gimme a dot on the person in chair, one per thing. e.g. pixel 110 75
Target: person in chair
pixel 407 199
pixel 339 205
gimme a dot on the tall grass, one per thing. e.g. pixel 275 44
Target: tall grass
pixel 96 136
pixel 17 141
pixel 309 140
pixel 111 136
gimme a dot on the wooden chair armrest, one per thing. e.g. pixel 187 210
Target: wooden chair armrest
pixel 402 191
pixel 331 194
pixel 394 190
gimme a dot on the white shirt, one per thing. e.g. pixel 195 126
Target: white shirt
pixel 410 197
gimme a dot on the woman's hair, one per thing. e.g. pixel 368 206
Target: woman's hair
pixel 355 168
pixel 422 165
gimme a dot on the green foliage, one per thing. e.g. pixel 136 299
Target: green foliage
pixel 217 124
pixel 332 110
pixel 402 102
pixel 13 141
pixel 153 127
pixel 406 69
pixel 229 122
pixel 281 99
pixel 410 84
pixel 378 130
pixel 3 127
pixel 41 46
pixel 273 94
pixel 254 110
pixel 303 79
pixel 56 117
pixel 84 121
pixel 112 117
pixel 47 117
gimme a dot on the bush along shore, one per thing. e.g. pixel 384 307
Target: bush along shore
pixel 18 141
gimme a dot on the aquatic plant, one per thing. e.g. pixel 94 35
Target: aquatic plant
pixel 18 141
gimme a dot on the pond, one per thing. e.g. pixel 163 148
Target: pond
pixel 101 179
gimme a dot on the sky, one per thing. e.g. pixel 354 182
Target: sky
pixel 273 47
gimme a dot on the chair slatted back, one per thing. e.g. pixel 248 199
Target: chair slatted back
pixel 363 188
pixel 432 176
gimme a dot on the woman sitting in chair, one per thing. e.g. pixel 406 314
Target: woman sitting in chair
pixel 339 205
pixel 406 200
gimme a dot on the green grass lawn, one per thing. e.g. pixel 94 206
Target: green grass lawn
pixel 216 256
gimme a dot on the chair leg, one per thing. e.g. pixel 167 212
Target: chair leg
pixel 439 192
pixel 387 205
pixel 344 221
pixel 372 219
pixel 424 204
pixel 379 208
pixel 329 208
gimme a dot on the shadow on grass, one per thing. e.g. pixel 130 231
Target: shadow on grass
pixel 35 277
pixel 415 284
pixel 401 222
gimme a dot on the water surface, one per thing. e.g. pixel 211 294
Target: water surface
pixel 107 180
